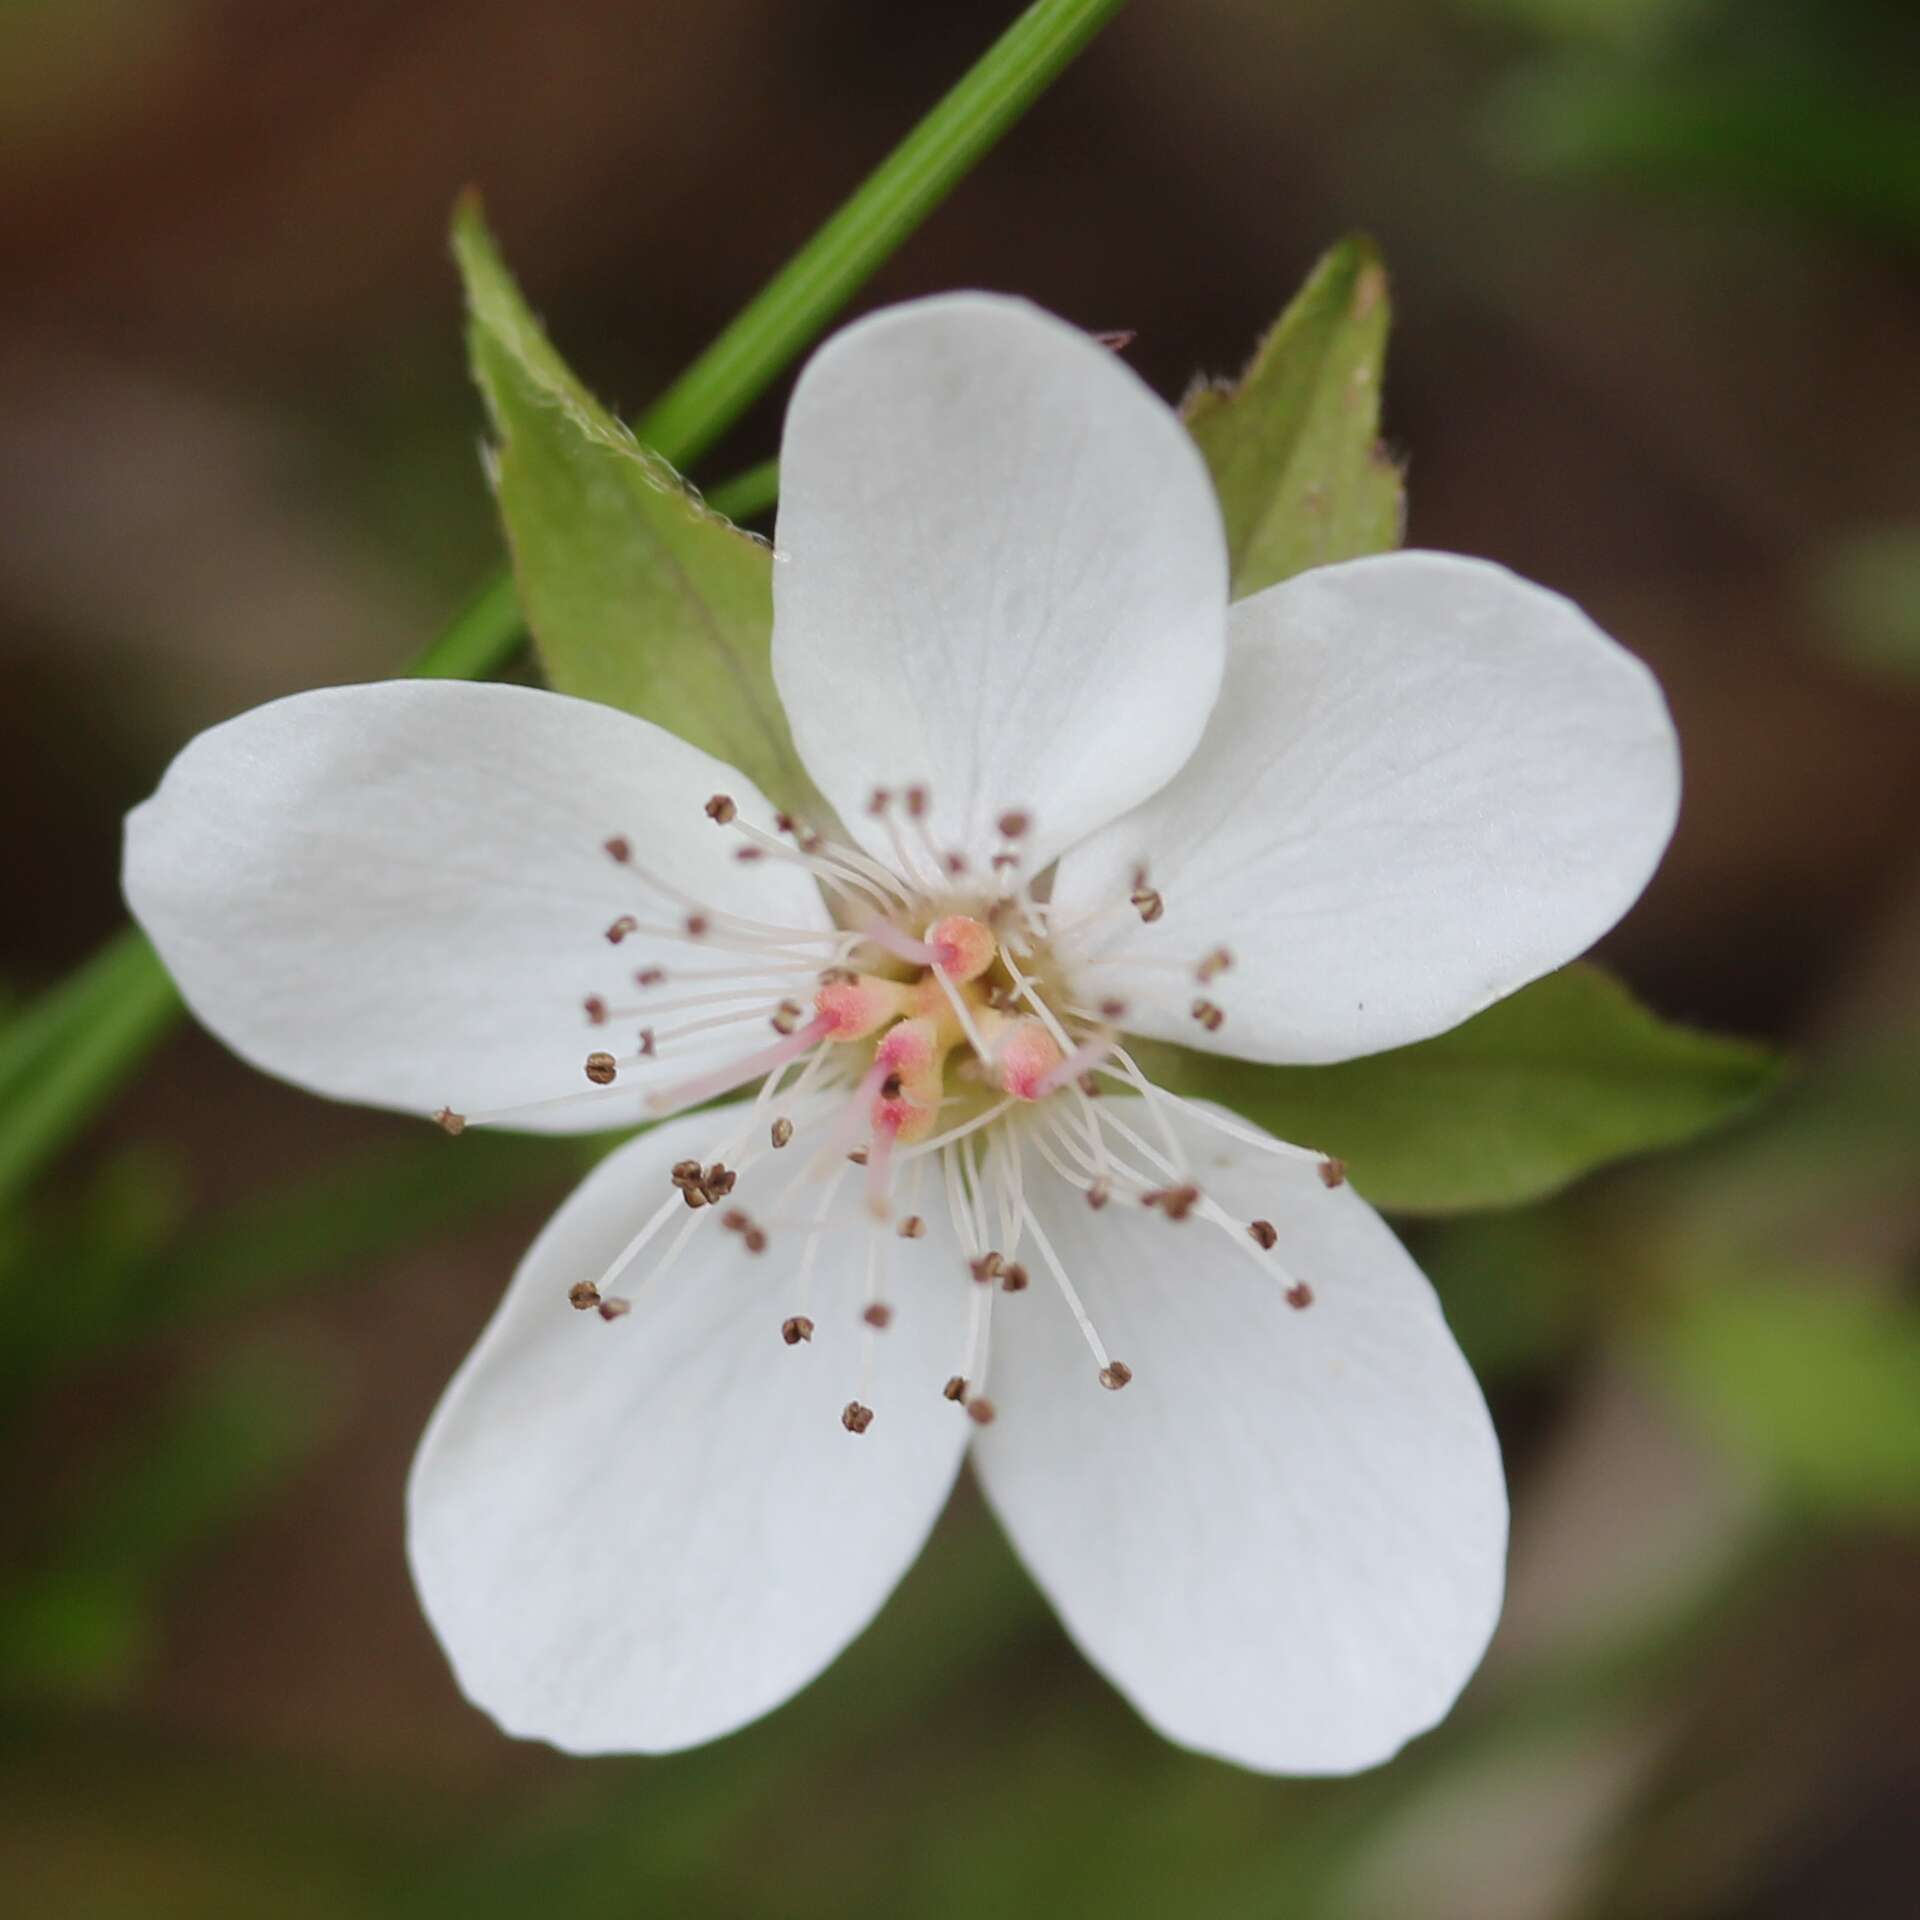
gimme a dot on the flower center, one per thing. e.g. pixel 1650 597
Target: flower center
pixel 932 1031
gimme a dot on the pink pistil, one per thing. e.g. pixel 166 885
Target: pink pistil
pixel 710 1086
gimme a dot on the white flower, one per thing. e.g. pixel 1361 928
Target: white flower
pixel 1083 796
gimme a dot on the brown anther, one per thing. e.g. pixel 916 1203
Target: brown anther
pixel 583 1294
pixel 1099 1194
pixel 1001 862
pixel 1175 1202
pixel 797 1329
pixel 856 1418
pixel 717 1182
pixel 890 1087
pixel 1148 904
pixel 879 801
pixel 1113 1010
pixel 1015 1279
pixel 981 1410
pixel 595 1009
pixel 1333 1173
pixel 1089 1084
pixel 697 925
pixel 735 1221
pixel 721 810
pixel 1013 824
pixel 811 842
pixel 649 976
pixel 785 823
pixel 878 1315
pixel 1299 1295
pixel 749 852
pixel 912 1227
pixel 449 1121
pixel 781 1131
pixel 956 864
pixel 858 1156
pixel 618 848
pixel 987 1267
pixel 694 1198
pixel 620 929
pixel 612 1307
pixel 754 1240
pixel 601 1069
pixel 955 1389
pixel 1215 964
pixel 916 803
pixel 787 1016
pixel 685 1173
pixel 1115 1376
pixel 1263 1235
pixel 1210 1016
pixel 645 1043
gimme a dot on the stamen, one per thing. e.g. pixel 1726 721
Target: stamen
pixel 856 1418
pixel 1299 1295
pixel 601 1069
pixel 1209 1015
pixel 960 1132
pixel 880 808
pixel 583 1295
pixel 795 1328
pixel 1263 1235
pixel 614 1308
pixel 810 1245
pixel 1102 1359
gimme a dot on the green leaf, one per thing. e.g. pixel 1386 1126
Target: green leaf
pixel 1817 1384
pixel 1560 1078
pixel 1294 445
pixel 638 594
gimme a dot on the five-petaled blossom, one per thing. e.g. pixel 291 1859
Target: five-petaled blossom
pixel 1080 798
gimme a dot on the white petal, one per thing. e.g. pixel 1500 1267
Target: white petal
pixel 1427 782
pixel 634 1536
pixel 1285 1540
pixel 400 893
pixel 1001 573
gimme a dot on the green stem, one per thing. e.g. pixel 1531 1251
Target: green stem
pixel 64 1055
pixel 837 262
pixel 69 1050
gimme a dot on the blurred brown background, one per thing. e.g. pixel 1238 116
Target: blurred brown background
pixel 1657 278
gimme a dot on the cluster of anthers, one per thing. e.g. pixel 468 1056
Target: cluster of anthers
pixel 944 1026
